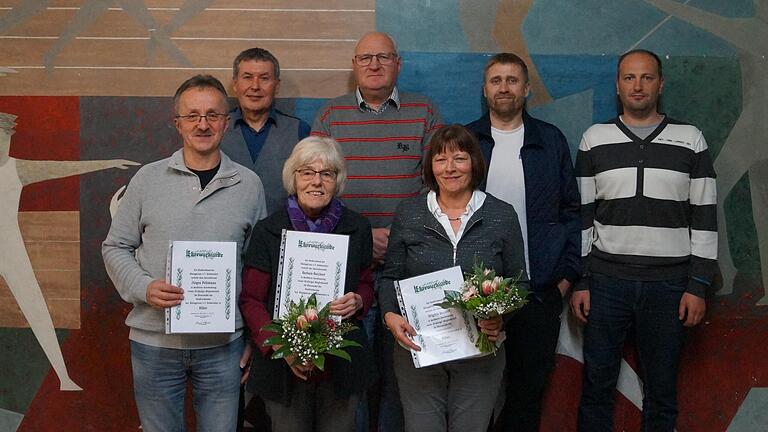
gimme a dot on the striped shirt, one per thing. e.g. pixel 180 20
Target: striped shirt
pixel 383 150
pixel 648 205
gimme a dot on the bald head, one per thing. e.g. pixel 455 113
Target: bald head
pixel 376 65
pixel 378 39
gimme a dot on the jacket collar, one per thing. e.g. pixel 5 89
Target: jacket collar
pixel 531 137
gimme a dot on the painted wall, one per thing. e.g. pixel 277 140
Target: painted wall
pixel 90 80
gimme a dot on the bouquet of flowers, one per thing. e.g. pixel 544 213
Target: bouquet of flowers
pixel 309 334
pixel 486 295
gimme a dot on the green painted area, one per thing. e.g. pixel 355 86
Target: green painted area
pixel 742 235
pixel 706 92
pixel 24 367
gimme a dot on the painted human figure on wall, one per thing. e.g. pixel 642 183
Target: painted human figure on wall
pixel 745 150
pixel 15 266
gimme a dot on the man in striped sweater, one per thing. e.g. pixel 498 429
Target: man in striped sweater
pixel 384 134
pixel 649 233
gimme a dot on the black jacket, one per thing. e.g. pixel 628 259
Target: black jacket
pixel 552 200
pixel 273 379
pixel 418 244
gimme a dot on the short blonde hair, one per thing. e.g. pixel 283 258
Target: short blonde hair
pixel 310 149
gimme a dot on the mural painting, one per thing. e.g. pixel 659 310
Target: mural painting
pixel 86 86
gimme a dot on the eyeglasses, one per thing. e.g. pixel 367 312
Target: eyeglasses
pixel 383 58
pixel 210 117
pixel 308 174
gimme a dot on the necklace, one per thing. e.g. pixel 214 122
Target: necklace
pixel 454 219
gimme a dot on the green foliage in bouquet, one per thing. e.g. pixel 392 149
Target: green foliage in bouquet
pixel 486 295
pixel 309 334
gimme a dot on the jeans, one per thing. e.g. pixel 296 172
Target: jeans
pixel 651 307
pixel 160 380
pixel 531 341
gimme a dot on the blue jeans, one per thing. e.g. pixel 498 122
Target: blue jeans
pixel 160 382
pixel 651 307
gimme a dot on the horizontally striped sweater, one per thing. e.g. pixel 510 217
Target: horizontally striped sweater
pixel 648 205
pixel 383 151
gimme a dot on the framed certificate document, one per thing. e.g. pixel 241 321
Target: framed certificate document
pixel 207 272
pixel 310 263
pixel 442 334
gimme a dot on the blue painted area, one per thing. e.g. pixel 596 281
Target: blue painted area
pixel 568 75
pixel 571 114
pixel 453 80
pixel 598 27
pixel 306 108
pixel 422 25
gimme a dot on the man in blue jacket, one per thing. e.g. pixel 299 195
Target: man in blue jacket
pixel 529 166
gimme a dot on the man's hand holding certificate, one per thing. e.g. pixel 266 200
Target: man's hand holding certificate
pixel 207 274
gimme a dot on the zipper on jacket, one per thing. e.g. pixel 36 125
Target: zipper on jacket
pixel 455 247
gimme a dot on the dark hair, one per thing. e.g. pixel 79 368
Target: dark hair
pixel 506 58
pixel 454 137
pixel 199 82
pixel 640 51
pixel 258 54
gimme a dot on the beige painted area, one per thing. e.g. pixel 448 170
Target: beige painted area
pixel 57 49
pixel 52 240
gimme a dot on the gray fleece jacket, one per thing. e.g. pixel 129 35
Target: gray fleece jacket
pixel 163 202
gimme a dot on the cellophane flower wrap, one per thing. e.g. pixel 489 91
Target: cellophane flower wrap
pixel 486 295
pixel 309 335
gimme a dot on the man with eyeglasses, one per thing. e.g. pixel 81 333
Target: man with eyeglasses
pixel 384 134
pixel 197 194
pixel 260 136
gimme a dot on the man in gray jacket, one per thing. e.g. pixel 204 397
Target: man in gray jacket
pixel 197 194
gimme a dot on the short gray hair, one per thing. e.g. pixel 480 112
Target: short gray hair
pixel 257 54
pixel 310 149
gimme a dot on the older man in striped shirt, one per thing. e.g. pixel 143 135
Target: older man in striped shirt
pixel 649 232
pixel 384 134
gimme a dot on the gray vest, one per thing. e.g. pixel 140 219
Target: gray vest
pixel 283 135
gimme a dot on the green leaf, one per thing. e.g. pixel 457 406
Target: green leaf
pixel 282 352
pixel 273 327
pixel 340 353
pixel 274 340
pixel 349 343
pixel 319 362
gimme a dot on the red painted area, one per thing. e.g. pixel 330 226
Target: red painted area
pixel 98 357
pixel 724 358
pixel 48 128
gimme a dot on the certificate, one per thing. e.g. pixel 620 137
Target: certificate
pixel 442 334
pixel 207 272
pixel 310 263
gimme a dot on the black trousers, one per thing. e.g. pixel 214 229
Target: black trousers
pixel 531 341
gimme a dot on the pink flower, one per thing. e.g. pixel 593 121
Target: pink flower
pixel 486 272
pixel 488 287
pixel 311 314
pixel 496 282
pixel 302 323
pixel 470 292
